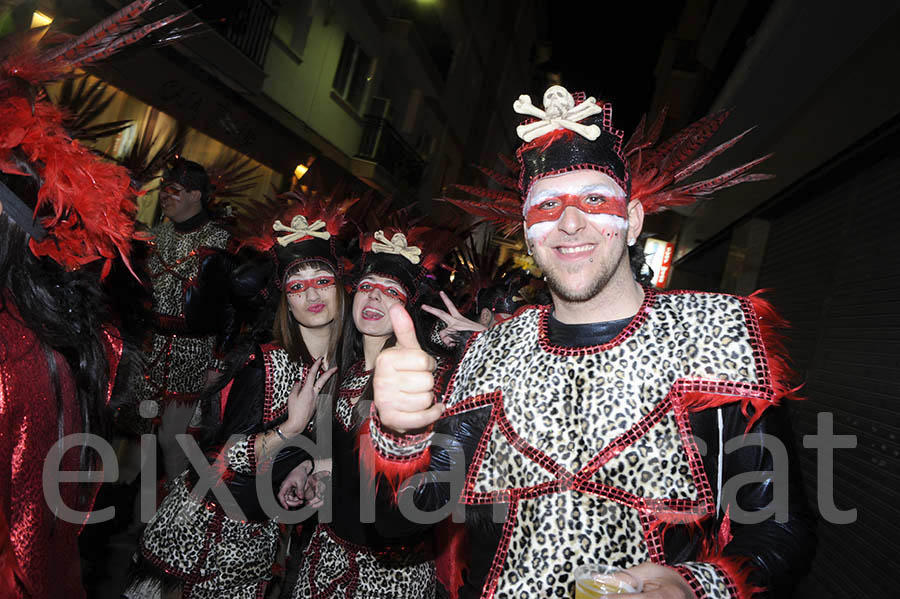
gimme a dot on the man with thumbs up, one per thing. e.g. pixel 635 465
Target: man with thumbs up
pixel 595 431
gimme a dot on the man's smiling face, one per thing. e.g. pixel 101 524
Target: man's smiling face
pixel 577 226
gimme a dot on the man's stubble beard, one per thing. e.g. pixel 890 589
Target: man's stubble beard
pixel 568 295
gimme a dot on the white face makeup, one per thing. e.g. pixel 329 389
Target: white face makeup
pixel 602 203
pixel 577 226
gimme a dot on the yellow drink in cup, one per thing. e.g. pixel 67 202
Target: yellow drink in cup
pixel 597 580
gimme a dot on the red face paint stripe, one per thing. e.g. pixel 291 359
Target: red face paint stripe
pixel 551 209
pixel 300 285
pixel 388 290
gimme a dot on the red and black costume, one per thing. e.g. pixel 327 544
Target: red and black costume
pixel 192 542
pixel 605 442
pixel 188 267
pixel 349 556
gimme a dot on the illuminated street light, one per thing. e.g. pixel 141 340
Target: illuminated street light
pixel 39 19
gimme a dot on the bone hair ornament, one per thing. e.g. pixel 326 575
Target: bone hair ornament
pixel 560 112
pixel 300 229
pixel 396 245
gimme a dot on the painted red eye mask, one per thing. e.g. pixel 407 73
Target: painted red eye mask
pixel 388 290
pixel 551 209
pixel 300 285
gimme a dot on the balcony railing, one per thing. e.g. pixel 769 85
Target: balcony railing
pixel 247 25
pixel 381 143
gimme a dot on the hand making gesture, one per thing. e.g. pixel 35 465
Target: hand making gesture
pixel 455 321
pixel 403 381
pixel 302 400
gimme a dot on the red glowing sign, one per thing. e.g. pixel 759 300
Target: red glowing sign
pixel 659 257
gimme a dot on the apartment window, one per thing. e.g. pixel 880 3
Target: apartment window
pixel 354 73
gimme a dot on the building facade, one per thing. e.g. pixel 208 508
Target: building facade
pixel 393 95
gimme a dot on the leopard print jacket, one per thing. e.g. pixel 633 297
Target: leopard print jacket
pixel 587 454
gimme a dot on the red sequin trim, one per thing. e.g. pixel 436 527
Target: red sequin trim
pixel 696 587
pixel 179 397
pixel 113 345
pixel 637 322
pixel 314 554
pixel 393 469
pixel 269 397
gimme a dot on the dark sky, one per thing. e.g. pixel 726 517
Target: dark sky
pixel 609 51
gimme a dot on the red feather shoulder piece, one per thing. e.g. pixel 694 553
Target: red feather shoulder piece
pixel 86 204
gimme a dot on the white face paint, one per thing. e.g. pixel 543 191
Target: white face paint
pixel 602 189
pixel 541 230
pixel 579 250
pixel 603 205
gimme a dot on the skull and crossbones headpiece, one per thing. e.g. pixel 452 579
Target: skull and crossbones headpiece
pixel 406 254
pixel 559 111
pixel 571 133
pixel 576 133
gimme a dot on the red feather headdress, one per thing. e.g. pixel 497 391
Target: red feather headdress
pixel 658 173
pixel 421 246
pixel 258 226
pixel 294 228
pixel 500 205
pixel 85 206
pixel 405 248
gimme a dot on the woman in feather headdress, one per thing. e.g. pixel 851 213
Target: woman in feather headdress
pixel 204 542
pixel 346 557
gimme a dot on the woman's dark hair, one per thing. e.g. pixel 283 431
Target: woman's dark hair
pixel 643 274
pixel 66 312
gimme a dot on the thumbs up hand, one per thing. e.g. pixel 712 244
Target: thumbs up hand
pixel 403 381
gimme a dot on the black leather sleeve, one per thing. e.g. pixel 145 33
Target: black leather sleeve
pixel 771 522
pixel 207 303
pixel 452 450
pixel 130 295
pixel 781 547
pixel 244 416
pixel 244 406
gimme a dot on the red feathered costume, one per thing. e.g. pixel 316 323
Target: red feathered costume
pixel 83 214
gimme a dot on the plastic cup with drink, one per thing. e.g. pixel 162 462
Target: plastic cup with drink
pixel 598 580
